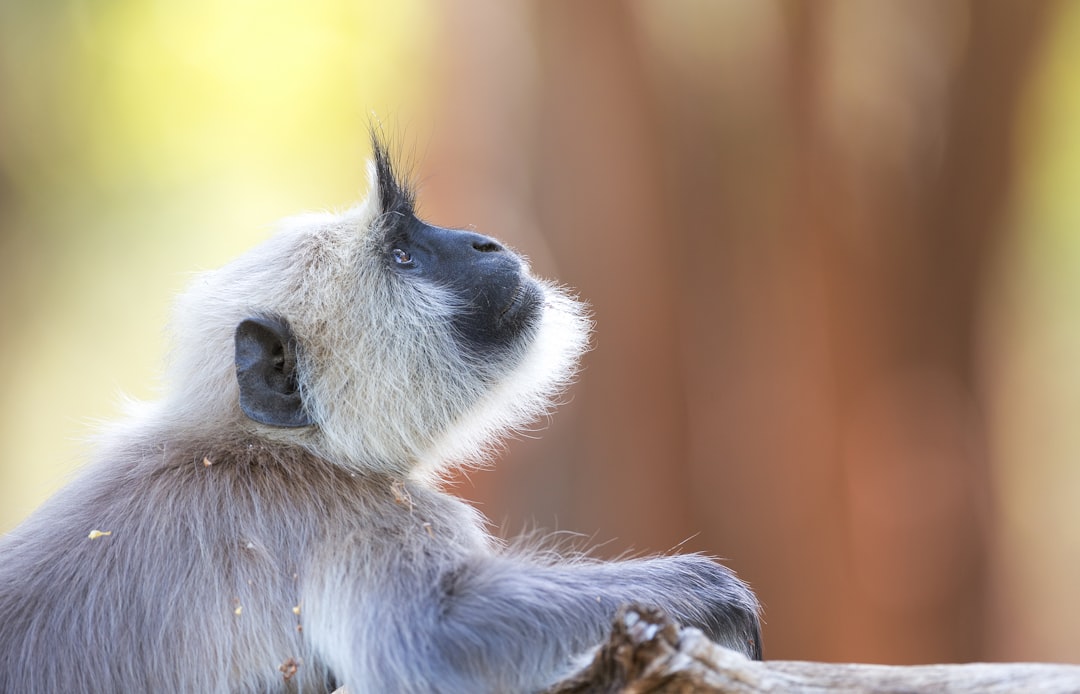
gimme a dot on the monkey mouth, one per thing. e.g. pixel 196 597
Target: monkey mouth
pixel 515 301
pixel 525 298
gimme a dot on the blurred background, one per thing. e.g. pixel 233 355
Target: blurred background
pixel 832 247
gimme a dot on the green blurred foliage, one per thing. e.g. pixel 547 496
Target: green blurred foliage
pixel 141 140
pixel 1033 355
pixel 1050 141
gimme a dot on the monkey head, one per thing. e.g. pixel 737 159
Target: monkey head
pixel 373 338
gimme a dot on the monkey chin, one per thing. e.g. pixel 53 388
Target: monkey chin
pixel 527 300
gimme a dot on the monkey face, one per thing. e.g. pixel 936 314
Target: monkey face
pixel 494 303
pixel 496 299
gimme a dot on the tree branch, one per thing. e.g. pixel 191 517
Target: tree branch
pixel 647 653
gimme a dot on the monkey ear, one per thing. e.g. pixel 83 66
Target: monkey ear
pixel 266 373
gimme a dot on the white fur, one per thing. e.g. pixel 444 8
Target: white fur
pixel 547 367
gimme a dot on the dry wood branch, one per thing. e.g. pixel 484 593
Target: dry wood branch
pixel 647 653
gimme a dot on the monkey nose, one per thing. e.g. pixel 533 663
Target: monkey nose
pixel 485 244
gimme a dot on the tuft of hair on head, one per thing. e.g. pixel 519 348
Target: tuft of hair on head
pixel 396 194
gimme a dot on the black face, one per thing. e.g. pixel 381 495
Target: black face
pixel 499 300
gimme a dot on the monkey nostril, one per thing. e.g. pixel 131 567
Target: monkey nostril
pixel 487 246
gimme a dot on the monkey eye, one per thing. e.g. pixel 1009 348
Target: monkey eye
pixel 401 257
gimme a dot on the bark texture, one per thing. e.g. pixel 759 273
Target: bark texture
pixel 647 653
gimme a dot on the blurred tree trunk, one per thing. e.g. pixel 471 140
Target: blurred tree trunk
pixel 781 214
pixel 902 184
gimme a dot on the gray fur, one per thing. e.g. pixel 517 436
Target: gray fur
pixel 241 557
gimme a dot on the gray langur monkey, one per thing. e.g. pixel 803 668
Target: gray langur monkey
pixel 274 523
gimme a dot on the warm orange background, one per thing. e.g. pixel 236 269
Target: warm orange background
pixel 833 250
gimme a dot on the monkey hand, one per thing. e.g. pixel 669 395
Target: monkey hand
pixel 708 596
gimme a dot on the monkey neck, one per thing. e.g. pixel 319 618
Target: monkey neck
pixel 155 443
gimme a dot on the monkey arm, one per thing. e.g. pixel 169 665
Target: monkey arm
pixel 582 595
pixel 527 620
pixel 507 622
